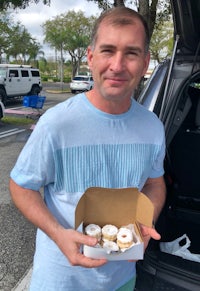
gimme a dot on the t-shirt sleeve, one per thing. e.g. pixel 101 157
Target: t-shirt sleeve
pixel 35 165
pixel 158 163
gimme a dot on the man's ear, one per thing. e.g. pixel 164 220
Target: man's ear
pixel 146 63
pixel 89 57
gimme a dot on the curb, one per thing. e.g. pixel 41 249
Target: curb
pixel 23 284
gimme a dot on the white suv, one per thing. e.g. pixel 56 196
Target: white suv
pixel 1 110
pixel 18 80
pixel 81 83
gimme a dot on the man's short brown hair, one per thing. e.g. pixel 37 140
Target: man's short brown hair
pixel 120 16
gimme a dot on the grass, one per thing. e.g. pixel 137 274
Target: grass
pixel 17 120
pixel 58 91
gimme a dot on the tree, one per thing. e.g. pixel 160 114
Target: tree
pixel 21 45
pixel 16 41
pixel 153 11
pixel 79 30
pixel 4 4
pixel 69 33
pixel 5 32
pixel 162 41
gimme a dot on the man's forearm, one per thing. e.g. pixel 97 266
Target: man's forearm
pixel 32 206
pixel 155 189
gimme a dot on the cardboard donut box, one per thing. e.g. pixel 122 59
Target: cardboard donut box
pixel 119 207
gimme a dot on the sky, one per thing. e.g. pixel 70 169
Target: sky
pixel 36 14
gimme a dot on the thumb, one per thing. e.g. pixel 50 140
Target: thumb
pixel 154 234
pixel 149 231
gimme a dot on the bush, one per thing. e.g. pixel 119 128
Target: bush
pixel 44 78
pixel 67 79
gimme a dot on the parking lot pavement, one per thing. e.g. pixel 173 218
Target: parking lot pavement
pixel 23 284
pixel 17 235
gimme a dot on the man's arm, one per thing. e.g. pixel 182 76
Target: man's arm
pixel 32 206
pixel 155 189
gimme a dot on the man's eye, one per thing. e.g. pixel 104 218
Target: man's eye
pixel 133 53
pixel 106 51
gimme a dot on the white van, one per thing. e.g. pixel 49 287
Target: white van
pixel 18 80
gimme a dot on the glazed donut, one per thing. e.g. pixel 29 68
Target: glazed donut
pixel 93 230
pixel 110 246
pixel 124 238
pixel 109 232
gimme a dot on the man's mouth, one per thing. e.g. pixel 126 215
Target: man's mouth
pixel 116 81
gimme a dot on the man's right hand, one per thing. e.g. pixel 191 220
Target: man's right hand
pixel 32 205
pixel 69 241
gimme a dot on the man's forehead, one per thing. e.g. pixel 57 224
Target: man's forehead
pixel 105 31
pixel 120 24
pixel 120 20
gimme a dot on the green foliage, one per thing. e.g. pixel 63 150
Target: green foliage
pixel 16 41
pixel 70 33
pixel 4 4
pixel 17 120
pixel 44 78
pixel 5 32
pixel 162 41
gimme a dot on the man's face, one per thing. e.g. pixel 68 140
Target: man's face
pixel 118 60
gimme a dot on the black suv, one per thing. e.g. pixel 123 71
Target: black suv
pixel 173 93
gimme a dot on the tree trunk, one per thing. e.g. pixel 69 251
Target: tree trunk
pixel 61 67
pixel 148 12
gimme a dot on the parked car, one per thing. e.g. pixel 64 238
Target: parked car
pixel 81 83
pixel 1 110
pixel 173 93
pixel 18 80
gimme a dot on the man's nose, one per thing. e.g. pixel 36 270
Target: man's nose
pixel 118 62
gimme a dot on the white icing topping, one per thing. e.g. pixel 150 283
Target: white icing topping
pixel 125 235
pixel 110 246
pixel 109 229
pixel 93 230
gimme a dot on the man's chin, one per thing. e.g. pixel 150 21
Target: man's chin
pixel 115 93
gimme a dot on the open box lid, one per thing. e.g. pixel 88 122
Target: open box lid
pixel 113 206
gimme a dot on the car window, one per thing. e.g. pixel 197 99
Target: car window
pixel 24 73
pixel 35 73
pixel 154 87
pixel 2 73
pixel 80 78
pixel 13 73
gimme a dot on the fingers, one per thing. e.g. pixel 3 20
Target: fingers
pixel 71 249
pixel 86 239
pixel 81 260
pixel 149 231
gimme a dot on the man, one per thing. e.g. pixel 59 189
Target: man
pixel 101 138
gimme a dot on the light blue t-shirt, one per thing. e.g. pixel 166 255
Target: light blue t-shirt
pixel 76 146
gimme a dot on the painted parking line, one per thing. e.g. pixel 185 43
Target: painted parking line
pixel 18 107
pixel 10 132
pixel 7 131
pixel 23 284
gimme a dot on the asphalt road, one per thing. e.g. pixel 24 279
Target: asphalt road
pixel 17 235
